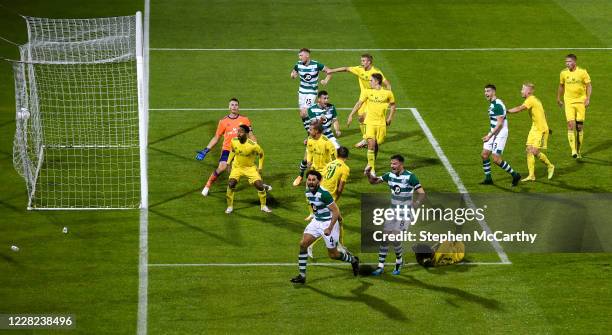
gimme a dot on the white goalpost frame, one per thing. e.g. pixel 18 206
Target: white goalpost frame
pixel 143 113
pixel 32 103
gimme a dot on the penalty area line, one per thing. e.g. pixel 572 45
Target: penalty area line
pixel 169 265
pixel 196 109
pixel 458 182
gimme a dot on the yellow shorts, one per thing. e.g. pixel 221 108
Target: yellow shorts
pixel 575 111
pixel 537 139
pixel 377 133
pixel 249 172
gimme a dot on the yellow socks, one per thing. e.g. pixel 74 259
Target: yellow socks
pixel 531 164
pixel 262 197
pixel 580 138
pixel 229 195
pixel 571 138
pixel 542 157
pixel 371 159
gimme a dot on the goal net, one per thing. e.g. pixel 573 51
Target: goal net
pixel 81 122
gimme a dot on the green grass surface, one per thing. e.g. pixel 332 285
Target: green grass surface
pixel 92 271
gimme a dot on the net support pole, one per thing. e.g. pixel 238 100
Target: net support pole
pixel 143 113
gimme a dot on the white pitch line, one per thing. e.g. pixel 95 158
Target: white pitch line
pixel 457 180
pixel 167 265
pixel 245 109
pixel 384 49
pixel 143 250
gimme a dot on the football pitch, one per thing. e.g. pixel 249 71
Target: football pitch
pixel 185 267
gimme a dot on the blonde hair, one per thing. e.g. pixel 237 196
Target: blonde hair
pixel 530 85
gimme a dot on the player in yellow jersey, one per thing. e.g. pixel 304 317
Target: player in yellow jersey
pixel 537 139
pixel 575 87
pixel 335 177
pixel 364 74
pixel 319 149
pixel 242 157
pixel 376 120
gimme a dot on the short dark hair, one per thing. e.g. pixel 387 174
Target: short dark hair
pixel 322 93
pixel 314 173
pixel 234 99
pixel 491 86
pixel 246 128
pixel 572 56
pixel 343 152
pixel 368 56
pixel 378 77
pixel 398 157
pixel 305 50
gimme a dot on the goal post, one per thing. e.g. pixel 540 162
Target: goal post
pixel 81 113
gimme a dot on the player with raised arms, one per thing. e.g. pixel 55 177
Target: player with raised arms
pixel 228 128
pixel 375 118
pixel 364 74
pixel 537 139
pixel 402 184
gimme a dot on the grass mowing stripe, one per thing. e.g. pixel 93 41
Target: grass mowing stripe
pixel 457 180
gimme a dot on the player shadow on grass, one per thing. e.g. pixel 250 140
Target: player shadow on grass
pixel 359 295
pixel 209 124
pixel 600 147
pixel 233 238
pixel 403 135
pixel 410 280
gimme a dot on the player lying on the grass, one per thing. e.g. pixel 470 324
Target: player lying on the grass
pixel 440 254
pixel 319 152
pixel 375 118
pixel 242 157
pixel 537 139
pixel 325 114
pixel 308 70
pixel 228 128
pixel 335 177
pixel 403 184
pixel 575 87
pixel 495 141
pixel 323 224
pixel 364 74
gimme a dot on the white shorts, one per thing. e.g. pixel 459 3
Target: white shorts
pixel 316 228
pixel 306 100
pixel 496 144
pixel 396 225
pixel 335 142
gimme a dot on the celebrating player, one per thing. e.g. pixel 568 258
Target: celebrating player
pixel 319 152
pixel 326 215
pixel 375 119
pixel 335 177
pixel 575 87
pixel 495 140
pixel 228 128
pixel 308 70
pixel 364 74
pixel 538 135
pixel 402 184
pixel 243 154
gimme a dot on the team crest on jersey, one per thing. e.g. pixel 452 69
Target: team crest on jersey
pixel 397 189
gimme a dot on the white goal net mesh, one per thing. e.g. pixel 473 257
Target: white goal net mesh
pixel 77 110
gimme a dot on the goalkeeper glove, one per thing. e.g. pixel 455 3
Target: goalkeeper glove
pixel 202 154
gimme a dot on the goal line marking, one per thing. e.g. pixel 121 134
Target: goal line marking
pixel 384 49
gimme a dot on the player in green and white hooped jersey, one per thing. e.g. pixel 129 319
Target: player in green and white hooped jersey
pixel 495 140
pixel 324 114
pixel 323 224
pixel 403 184
pixel 308 70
